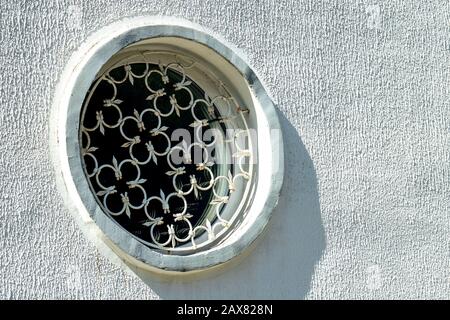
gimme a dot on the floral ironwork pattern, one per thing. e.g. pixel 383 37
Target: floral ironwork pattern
pixel 128 151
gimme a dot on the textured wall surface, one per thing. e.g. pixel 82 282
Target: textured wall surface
pixel 363 93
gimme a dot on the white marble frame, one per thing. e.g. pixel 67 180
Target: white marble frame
pixel 64 125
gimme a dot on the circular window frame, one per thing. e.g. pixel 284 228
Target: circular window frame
pixel 77 78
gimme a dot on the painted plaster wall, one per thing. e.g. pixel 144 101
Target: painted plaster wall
pixel 363 93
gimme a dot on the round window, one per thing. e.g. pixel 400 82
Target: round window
pixel 169 143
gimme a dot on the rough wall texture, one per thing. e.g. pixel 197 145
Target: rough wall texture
pixel 363 93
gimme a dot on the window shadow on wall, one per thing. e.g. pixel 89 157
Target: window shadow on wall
pixel 282 263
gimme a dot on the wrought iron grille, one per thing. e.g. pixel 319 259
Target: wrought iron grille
pixel 167 192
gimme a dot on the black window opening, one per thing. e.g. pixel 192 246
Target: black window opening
pixel 107 145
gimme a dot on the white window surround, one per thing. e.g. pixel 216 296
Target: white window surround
pixel 164 33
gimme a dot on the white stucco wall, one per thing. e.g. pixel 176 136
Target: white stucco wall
pixel 365 109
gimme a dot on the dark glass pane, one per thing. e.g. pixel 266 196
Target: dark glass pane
pixel 132 98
